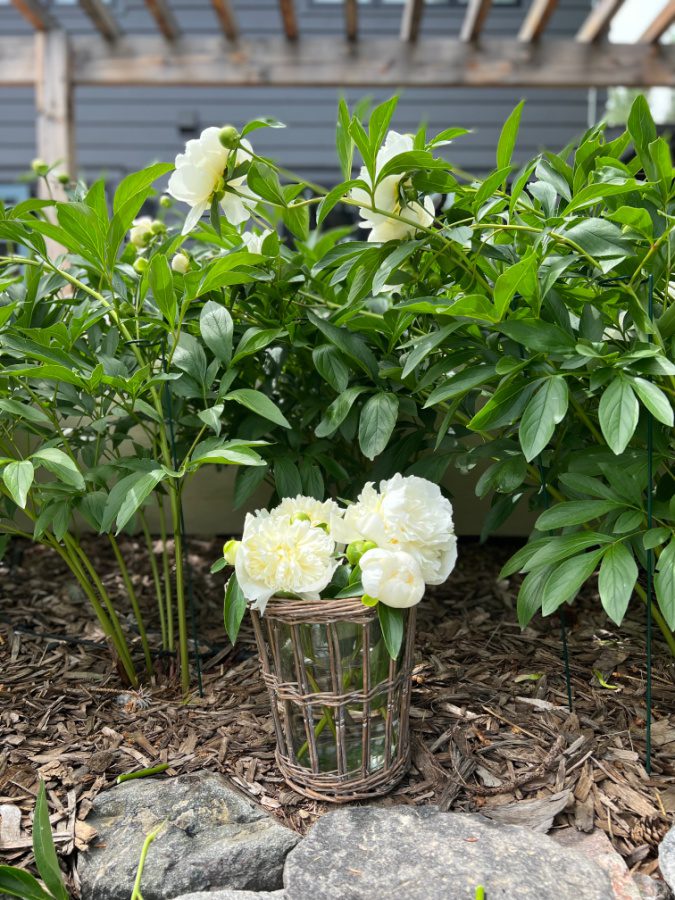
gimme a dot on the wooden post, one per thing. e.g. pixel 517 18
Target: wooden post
pixel 536 20
pixel 351 20
pixel 164 17
pixel 55 125
pixel 102 18
pixel 598 21
pixel 474 19
pixel 290 22
pixel 410 20
pixel 660 24
pixel 226 18
pixel 35 13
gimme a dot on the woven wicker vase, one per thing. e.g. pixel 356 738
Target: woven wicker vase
pixel 340 704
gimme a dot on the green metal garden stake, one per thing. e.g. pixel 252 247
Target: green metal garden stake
pixel 563 617
pixel 190 590
pixel 650 552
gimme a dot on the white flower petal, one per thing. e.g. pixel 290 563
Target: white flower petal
pixel 193 217
pixel 235 209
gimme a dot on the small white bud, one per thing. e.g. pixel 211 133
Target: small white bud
pixel 180 263
pixel 141 231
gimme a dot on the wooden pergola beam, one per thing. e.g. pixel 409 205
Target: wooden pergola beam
pixel 351 20
pixel 658 27
pixel 324 61
pixel 35 13
pixel 598 21
pixel 148 60
pixel 474 19
pixel 411 19
pixel 536 20
pixel 103 20
pixel 289 19
pixel 226 18
pixel 164 17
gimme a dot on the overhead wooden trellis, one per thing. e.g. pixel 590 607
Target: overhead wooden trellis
pixel 55 63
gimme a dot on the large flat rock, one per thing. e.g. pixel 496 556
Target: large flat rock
pixel 667 858
pixel 213 840
pixel 407 853
pixel 597 846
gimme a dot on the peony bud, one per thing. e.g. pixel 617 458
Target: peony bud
pixel 165 201
pixel 356 549
pixel 140 234
pixel 180 263
pixel 393 576
pixel 157 227
pixel 40 167
pixel 229 137
pixel 141 265
pixel 63 178
pixel 230 551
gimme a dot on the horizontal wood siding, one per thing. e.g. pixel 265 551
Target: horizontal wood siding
pixel 114 127
pixel 121 129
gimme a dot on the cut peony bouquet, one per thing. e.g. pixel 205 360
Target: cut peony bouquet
pixel 385 548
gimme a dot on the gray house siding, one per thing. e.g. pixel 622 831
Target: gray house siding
pixel 120 129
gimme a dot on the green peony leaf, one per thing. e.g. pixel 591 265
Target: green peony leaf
pixel 618 412
pixel 616 581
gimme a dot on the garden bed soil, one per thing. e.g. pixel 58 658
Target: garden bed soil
pixel 491 729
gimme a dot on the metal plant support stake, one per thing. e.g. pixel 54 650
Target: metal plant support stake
pixel 563 616
pixel 650 552
pixel 186 557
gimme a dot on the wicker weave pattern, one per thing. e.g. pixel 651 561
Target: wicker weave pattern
pixel 350 710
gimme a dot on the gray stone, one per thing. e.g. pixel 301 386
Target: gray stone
pixel 233 895
pixel 651 888
pixel 597 847
pixel 667 858
pixel 407 853
pixel 213 839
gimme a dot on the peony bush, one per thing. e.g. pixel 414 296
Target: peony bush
pixel 517 327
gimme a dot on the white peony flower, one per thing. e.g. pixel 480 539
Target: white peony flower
pixel 408 513
pixel 277 555
pixel 418 518
pixel 254 241
pixel 388 197
pixel 141 231
pixel 317 512
pixel 394 577
pixel 180 263
pixel 199 173
pixel 360 519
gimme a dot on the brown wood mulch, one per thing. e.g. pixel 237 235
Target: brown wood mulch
pixel 491 728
